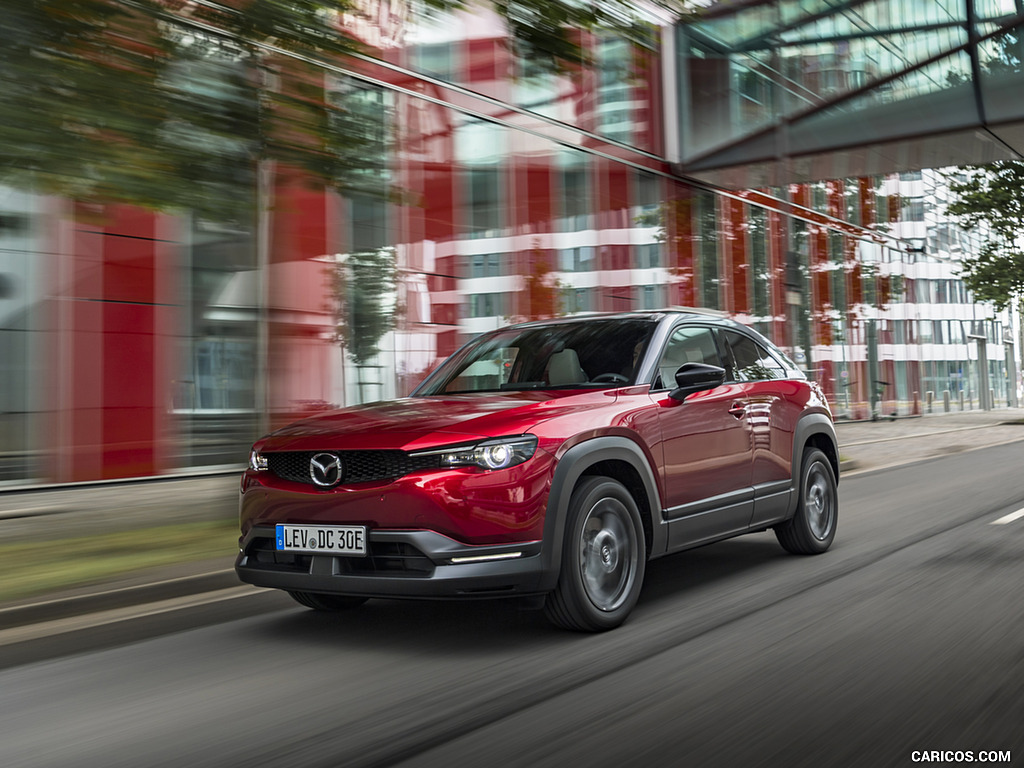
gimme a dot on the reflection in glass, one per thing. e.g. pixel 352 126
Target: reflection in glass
pixel 706 228
pixel 567 355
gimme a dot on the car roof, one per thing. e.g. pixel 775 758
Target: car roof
pixel 654 315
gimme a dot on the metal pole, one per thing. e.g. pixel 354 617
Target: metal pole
pixel 872 340
pixel 983 385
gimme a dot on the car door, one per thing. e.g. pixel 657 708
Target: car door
pixel 706 446
pixel 763 392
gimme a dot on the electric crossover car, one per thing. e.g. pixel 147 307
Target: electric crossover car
pixel 550 459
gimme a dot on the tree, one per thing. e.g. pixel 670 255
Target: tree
pixel 542 291
pixel 990 199
pixel 364 287
pixel 173 104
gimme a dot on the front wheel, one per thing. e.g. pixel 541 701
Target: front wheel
pixel 321 601
pixel 603 559
pixel 813 527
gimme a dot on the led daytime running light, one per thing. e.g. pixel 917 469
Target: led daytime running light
pixel 486 558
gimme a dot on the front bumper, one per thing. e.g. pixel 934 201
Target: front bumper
pixel 413 564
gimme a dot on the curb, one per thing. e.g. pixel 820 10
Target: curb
pixel 110 599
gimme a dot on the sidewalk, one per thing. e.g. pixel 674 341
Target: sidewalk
pixel 44 514
pixel 874 445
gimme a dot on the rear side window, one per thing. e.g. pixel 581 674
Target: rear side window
pixel 749 361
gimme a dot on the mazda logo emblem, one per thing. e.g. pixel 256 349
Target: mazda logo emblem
pixel 325 469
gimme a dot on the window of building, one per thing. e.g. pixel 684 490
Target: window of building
pixel 614 88
pixel 437 60
pixel 819 197
pixel 487 305
pixel 580 300
pixel 648 256
pixel 647 197
pixel 574 200
pixel 650 296
pixel 851 195
pixel 487 264
pixel 913 209
pixel 482 149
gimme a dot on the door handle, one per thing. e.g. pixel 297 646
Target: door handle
pixel 738 410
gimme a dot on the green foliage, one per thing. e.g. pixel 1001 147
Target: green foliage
pixel 36 567
pixel 117 102
pixel 991 198
pixel 174 106
pixel 995 274
pixel 364 287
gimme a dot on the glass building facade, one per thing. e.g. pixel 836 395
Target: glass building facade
pixel 796 90
pixel 135 344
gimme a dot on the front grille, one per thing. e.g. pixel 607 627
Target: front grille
pixel 383 559
pixel 359 466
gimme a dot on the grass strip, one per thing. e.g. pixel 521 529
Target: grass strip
pixel 35 568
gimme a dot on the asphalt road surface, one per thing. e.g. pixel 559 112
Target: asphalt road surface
pixel 906 638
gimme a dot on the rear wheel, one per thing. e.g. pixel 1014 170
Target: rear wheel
pixel 321 601
pixel 813 527
pixel 603 559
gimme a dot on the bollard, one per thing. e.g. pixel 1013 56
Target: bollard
pixel 991 400
pixel 916 410
pixel 945 400
pixel 961 393
pixel 929 398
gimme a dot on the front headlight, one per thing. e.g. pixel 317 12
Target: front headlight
pixel 499 453
pixel 257 462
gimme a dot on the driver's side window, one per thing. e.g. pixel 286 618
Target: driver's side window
pixel 687 344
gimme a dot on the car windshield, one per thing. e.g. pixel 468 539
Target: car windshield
pixel 572 355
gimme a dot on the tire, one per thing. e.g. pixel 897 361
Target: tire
pixel 813 527
pixel 320 601
pixel 603 559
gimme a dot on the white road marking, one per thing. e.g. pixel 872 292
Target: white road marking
pixel 1009 518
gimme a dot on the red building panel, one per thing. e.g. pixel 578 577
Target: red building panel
pixel 678 222
pixel 299 228
pixel 736 268
pixel 128 273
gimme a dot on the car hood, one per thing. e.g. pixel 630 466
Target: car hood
pixel 416 423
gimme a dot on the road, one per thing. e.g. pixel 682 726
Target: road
pixel 907 636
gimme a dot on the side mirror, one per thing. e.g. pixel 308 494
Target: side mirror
pixel 696 377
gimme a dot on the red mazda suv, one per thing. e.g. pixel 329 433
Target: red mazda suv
pixel 550 459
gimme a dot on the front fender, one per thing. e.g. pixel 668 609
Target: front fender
pixel 573 465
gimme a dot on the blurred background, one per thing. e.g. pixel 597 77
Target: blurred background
pixel 214 222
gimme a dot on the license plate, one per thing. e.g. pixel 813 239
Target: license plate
pixel 325 539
